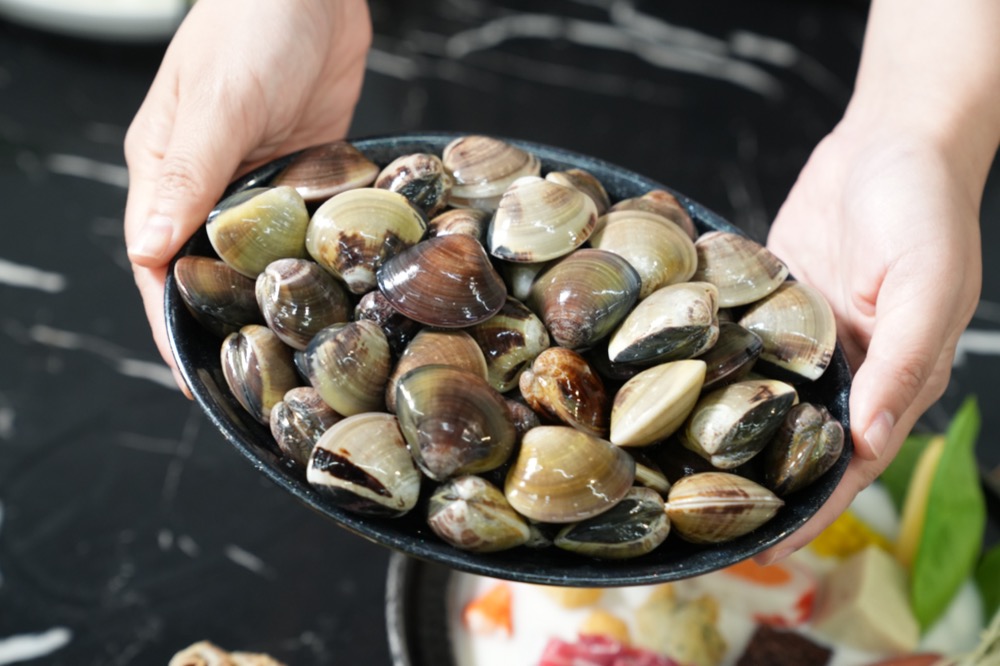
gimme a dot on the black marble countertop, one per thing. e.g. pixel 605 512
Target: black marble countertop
pixel 129 528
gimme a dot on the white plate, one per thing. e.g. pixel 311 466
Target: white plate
pixel 116 20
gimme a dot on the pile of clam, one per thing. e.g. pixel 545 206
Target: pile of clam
pixel 540 366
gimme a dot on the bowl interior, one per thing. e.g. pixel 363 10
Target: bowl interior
pixel 197 353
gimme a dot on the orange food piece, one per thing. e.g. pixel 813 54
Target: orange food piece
pixel 772 574
pixel 490 613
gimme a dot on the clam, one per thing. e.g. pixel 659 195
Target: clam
pixel 299 420
pixel 654 404
pixel 468 221
pixel 731 425
pixel 453 421
pixel 674 322
pixel 298 299
pixel 348 364
pixel 584 181
pixel 362 464
pixel 650 476
pixel 564 475
pixel 662 203
pixel 582 297
pixel 519 276
pixel 743 270
pixel 252 228
pixel 523 417
pixel 537 220
pixel 806 445
pixel 713 507
pixel 798 329
pixel 510 341
pixel 657 249
pixel 258 369
pixel 320 172
pixel 399 330
pixel 446 281
pixel 355 232
pixel 221 299
pixel 561 386
pixel 421 178
pixel 472 514
pixel 482 168
pixel 731 357
pixel 432 347
pixel 634 526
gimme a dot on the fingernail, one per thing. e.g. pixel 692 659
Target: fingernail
pixel 877 435
pixel 154 238
pixel 772 556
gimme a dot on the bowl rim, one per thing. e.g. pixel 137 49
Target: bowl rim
pixel 518 564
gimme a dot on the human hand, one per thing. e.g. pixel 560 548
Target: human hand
pixel 883 222
pixel 242 81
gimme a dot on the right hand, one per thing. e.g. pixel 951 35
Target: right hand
pixel 243 81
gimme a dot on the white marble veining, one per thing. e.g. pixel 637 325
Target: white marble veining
pixel 87 168
pixel 977 342
pixel 22 647
pixel 29 277
pixel 246 559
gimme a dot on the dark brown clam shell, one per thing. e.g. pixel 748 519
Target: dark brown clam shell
pixel 561 386
pixel 399 330
pixel 806 445
pixel 731 357
pixel 299 420
pixel 421 178
pixel 258 369
pixel 220 298
pixel 322 171
pixel 299 299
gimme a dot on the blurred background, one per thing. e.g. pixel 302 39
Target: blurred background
pixel 129 528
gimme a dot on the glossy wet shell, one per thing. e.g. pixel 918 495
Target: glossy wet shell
pixel 482 168
pixel 662 203
pixel 806 445
pixel 355 232
pixel 659 250
pixel 258 369
pixel 743 270
pixel 399 330
pixel 714 507
pixel 430 347
pixel 348 364
pixel 446 281
pixel 362 464
pixel 250 229
pixel 538 220
pixel 585 182
pixel 468 221
pixel 798 329
pixel 472 514
pixel 582 297
pixel 731 357
pixel 421 178
pixel 298 299
pixel 220 298
pixel 320 172
pixel 299 420
pixel 654 404
pixel 510 341
pixel 563 475
pixel 634 526
pixel 560 386
pixel 453 421
pixel 731 425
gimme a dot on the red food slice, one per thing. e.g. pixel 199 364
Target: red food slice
pixel 592 650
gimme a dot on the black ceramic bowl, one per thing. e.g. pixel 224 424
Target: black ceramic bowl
pixel 197 353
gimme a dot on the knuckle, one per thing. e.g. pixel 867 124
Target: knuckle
pixel 180 179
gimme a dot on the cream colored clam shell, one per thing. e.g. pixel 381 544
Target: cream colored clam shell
pixel 713 507
pixel 744 270
pixel 653 405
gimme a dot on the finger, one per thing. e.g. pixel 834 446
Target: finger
pixel 150 282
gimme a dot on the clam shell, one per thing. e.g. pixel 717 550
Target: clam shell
pixel 798 329
pixel 731 425
pixel 650 476
pixel 806 445
pixel 657 249
pixel 510 341
pixel 482 168
pixel 355 232
pixel 299 420
pixel 731 357
pixel 298 299
pixel 743 270
pixel 320 172
pixel 519 276
pixel 430 347
pixel 564 475
pixel 363 465
pixel 252 228
pixel 399 330
pixel 524 417
pixel 654 404
pixel 258 369
pixel 453 422
pixel 634 526
pixel 220 298
pixel 472 514
pixel 421 178
pixel 662 203
pixel 446 281
pixel 674 322
pixel 582 297
pixel 561 386
pixel 348 364
pixel 714 507
pixel 537 220
pixel 584 181
pixel 468 221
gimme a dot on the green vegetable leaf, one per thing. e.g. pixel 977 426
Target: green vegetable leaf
pixel 956 519
pixel 896 477
pixel 988 580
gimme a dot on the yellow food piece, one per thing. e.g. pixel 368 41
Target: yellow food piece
pixel 847 535
pixel 575 597
pixel 911 525
pixel 684 630
pixel 604 623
